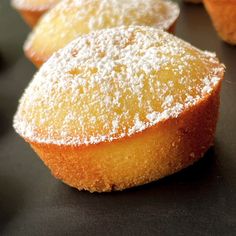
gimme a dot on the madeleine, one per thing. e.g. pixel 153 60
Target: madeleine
pixel 223 16
pixel 32 10
pixel 121 107
pixel 72 18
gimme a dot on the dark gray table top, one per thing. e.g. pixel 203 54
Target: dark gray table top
pixel 200 200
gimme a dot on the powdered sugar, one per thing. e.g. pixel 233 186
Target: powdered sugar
pixel 114 83
pixel 34 5
pixel 71 18
pixel 98 13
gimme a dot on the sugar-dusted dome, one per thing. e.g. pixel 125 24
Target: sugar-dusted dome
pixel 113 83
pixel 71 18
pixel 121 107
pixel 34 4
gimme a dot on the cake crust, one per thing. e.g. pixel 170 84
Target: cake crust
pixel 31 17
pixel 223 16
pixel 82 17
pixel 139 159
pixel 32 10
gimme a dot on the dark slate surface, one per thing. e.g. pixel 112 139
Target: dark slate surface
pixel 200 200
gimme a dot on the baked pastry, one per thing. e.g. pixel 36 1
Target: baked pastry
pixel 223 16
pixel 121 107
pixel 193 1
pixel 71 18
pixel 32 10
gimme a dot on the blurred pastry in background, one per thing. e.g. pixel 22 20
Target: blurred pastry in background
pixel 223 16
pixel 121 107
pixel 32 10
pixel 71 18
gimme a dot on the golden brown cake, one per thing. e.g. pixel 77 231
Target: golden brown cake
pixel 71 18
pixel 121 107
pixel 32 10
pixel 223 16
